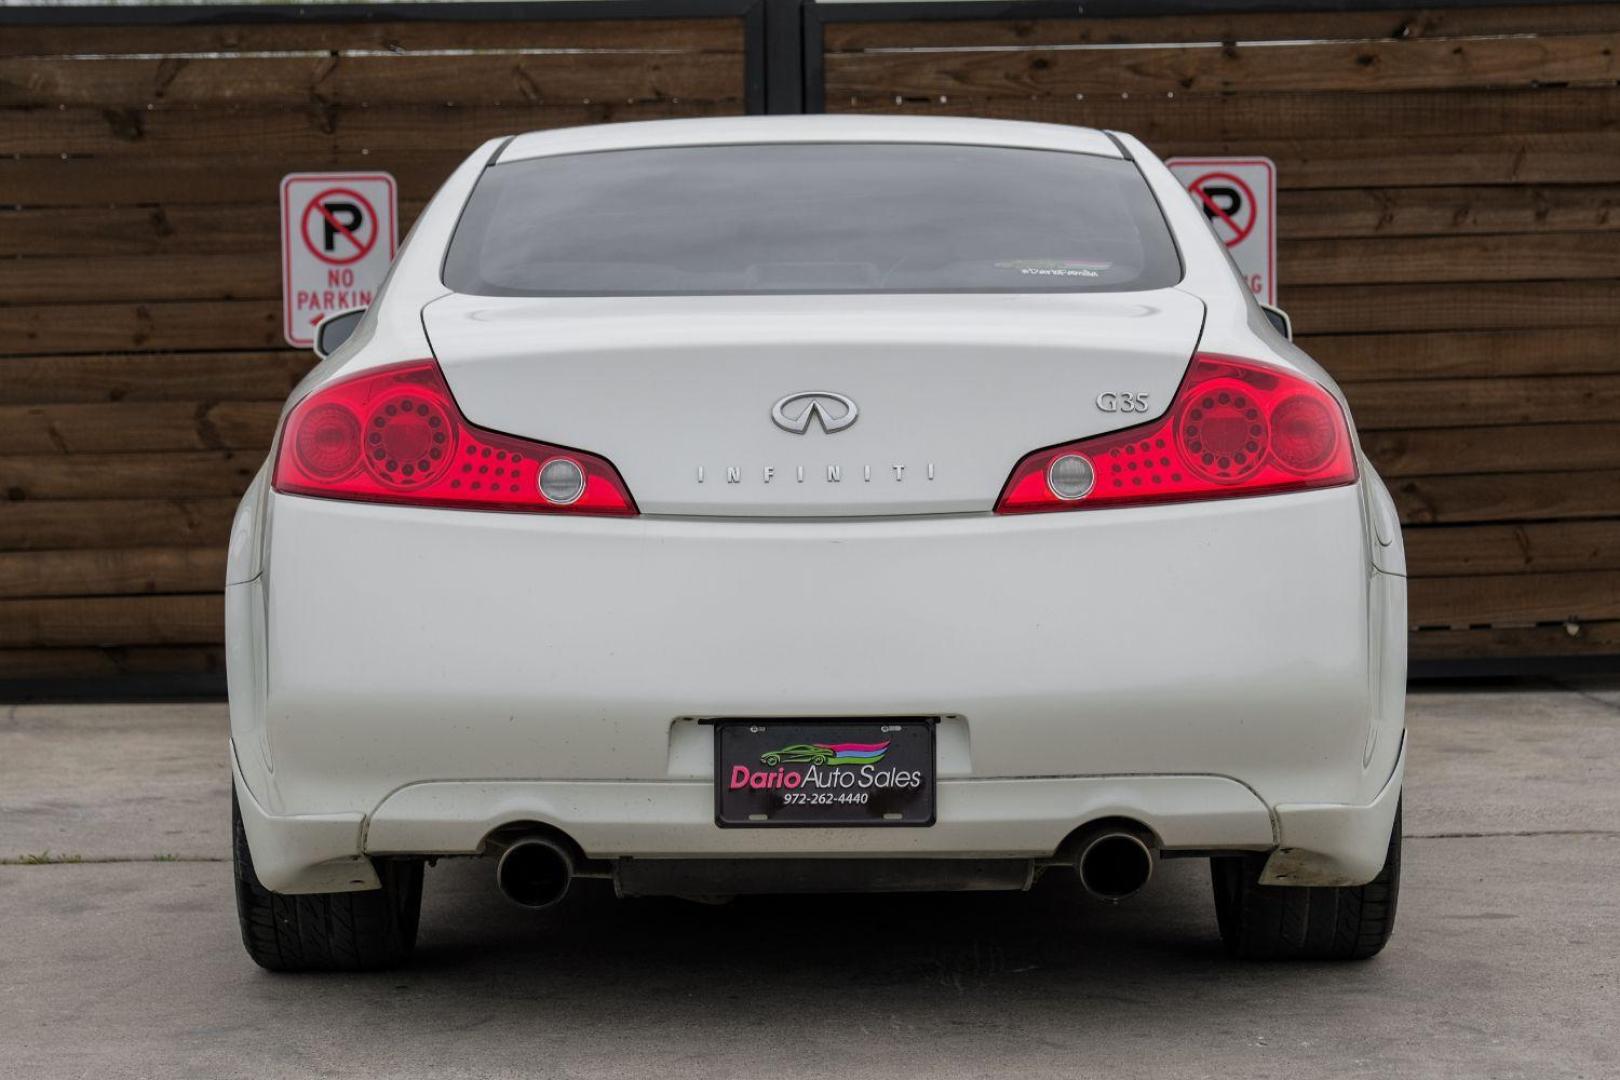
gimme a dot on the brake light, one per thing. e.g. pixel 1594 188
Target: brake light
pixel 395 435
pixel 1235 428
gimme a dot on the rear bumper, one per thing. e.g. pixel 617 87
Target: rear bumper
pixel 1311 844
pixel 404 681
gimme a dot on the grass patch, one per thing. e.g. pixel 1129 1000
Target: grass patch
pixel 46 858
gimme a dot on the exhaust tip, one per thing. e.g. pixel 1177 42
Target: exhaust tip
pixel 534 873
pixel 1115 865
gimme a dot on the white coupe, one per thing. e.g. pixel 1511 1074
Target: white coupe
pixel 814 503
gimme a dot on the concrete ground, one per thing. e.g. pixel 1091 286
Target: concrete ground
pixel 1505 960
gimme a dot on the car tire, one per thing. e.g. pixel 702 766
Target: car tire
pixel 1292 922
pixel 347 931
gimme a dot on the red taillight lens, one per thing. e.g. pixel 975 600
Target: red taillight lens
pixel 394 435
pixel 1236 428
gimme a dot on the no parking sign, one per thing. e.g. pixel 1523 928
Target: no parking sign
pixel 1239 197
pixel 338 235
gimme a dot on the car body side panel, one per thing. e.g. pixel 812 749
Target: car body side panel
pixel 244 551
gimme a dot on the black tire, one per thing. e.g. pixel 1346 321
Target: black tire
pixel 347 931
pixel 1291 922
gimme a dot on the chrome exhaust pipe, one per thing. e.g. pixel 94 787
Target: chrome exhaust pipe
pixel 535 872
pixel 1114 863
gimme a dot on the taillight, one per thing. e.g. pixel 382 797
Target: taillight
pixel 1236 428
pixel 394 435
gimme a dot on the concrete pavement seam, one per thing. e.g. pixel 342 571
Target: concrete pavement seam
pixel 1578 692
pixel 103 860
pixel 1491 835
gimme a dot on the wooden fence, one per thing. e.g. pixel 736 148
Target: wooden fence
pixel 1450 249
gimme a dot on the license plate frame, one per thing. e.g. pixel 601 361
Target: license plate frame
pixel 821 752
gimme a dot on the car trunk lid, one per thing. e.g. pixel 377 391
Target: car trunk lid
pixel 693 397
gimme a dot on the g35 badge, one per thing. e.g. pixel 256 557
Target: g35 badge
pixel 1108 401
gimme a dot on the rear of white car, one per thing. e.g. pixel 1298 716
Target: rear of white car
pixel 815 503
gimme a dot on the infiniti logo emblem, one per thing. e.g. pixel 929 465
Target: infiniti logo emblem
pixel 794 412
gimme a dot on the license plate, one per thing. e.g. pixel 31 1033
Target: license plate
pixel 824 772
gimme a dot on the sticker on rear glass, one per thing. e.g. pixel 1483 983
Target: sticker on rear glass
pixel 1080 268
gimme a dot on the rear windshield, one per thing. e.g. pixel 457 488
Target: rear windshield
pixel 818 218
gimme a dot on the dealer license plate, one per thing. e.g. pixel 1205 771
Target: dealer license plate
pixel 824 772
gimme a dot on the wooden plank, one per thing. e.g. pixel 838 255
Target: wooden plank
pixel 1421 259
pixel 572 78
pixel 1591 158
pixel 111 663
pixel 137 426
pixel 1335 309
pixel 1355 66
pixel 108 523
pixel 1453 500
pixel 1523 448
pixel 1305 215
pixel 175 229
pixel 1514 598
pixel 94 328
pixel 1575 639
pixel 1470 353
pixel 333 129
pixel 1351 161
pixel 1479 402
pixel 1267 117
pixel 112 620
pixel 202 179
pixel 1399 25
pixel 139 377
pixel 1547 547
pixel 1317 310
pixel 249 275
pixel 103 573
pixel 621 35
pixel 177 475
pixel 1547 158
pixel 147 230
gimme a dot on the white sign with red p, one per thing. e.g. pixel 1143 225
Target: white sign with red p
pixel 1239 197
pixel 338 235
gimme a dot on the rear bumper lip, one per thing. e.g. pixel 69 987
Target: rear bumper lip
pixel 1010 818
pixel 1003 819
